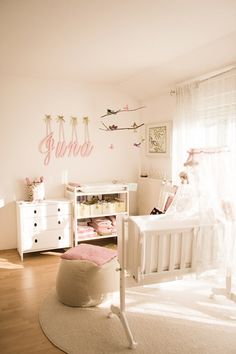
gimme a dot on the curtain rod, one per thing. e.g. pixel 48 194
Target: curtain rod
pixel 205 77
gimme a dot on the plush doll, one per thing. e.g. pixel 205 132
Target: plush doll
pixel 184 177
pixel 35 189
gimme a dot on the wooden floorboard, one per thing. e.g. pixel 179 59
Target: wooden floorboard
pixel 23 286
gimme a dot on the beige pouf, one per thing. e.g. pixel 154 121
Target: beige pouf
pixel 86 274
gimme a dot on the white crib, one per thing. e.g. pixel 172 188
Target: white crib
pixel 150 252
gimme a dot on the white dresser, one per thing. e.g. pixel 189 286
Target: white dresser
pixel 43 225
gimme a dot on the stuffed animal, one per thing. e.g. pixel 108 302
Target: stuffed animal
pixel 35 189
pixel 184 177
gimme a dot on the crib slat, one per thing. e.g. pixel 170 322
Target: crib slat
pixel 194 248
pixel 154 252
pixel 183 251
pixel 160 254
pixel 172 252
pixel 148 251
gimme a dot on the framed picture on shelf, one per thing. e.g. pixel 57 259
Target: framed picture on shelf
pixel 158 139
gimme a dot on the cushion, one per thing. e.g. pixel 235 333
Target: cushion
pixel 86 252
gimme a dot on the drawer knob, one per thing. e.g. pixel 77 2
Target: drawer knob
pixel 36 240
pixel 59 238
pixel 58 209
pixel 35 224
pixel 59 222
pixel 35 211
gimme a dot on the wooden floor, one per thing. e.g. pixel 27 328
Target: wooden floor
pixel 23 286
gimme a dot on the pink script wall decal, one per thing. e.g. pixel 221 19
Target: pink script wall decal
pixel 48 146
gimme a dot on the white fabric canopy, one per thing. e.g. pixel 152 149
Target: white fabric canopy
pixel 206 117
pixel 211 196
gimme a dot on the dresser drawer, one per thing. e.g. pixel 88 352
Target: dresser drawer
pixel 45 209
pixel 43 225
pixel 47 239
pixel 37 225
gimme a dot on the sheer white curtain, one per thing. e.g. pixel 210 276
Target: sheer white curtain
pixel 185 126
pixel 205 123
pixel 216 110
pixel 205 117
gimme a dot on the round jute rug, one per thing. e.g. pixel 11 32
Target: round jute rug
pixel 170 318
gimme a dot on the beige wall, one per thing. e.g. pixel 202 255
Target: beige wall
pixel 161 108
pixel 24 102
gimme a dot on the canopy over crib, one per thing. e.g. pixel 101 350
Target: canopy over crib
pixel 210 196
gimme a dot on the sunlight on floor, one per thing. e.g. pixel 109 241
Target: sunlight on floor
pixel 5 264
pixel 52 253
pixel 184 299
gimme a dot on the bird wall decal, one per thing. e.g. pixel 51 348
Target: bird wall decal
pixel 124 109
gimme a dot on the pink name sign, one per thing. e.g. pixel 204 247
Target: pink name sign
pixel 49 147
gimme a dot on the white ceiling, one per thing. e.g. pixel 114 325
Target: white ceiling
pixel 142 46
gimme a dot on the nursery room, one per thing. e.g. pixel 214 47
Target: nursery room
pixel 117 193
